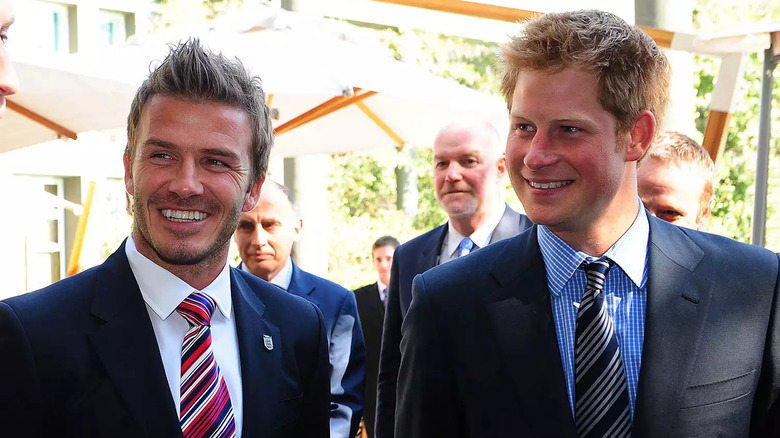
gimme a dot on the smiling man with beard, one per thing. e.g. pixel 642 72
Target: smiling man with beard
pixel 468 167
pixel 164 339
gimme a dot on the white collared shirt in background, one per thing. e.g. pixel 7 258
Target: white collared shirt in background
pixel 163 292
pixel 481 236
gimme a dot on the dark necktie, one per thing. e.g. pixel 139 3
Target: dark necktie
pixel 601 407
pixel 205 407
pixel 465 247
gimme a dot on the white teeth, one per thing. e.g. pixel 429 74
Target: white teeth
pixel 549 185
pixel 184 216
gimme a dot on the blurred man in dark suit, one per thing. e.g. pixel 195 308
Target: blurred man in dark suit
pixel 371 301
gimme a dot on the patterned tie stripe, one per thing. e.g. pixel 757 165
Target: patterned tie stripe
pixel 601 394
pixel 465 247
pixel 205 407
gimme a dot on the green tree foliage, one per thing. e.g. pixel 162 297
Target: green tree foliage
pixel 362 188
pixel 734 197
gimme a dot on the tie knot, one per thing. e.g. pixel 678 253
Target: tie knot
pixel 197 309
pixel 596 272
pixel 465 246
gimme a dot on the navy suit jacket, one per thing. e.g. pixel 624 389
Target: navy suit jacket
pixel 80 359
pixel 412 258
pixel 346 347
pixel 372 314
pixel 481 357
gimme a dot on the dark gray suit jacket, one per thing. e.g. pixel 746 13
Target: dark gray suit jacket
pixel 80 359
pixel 481 359
pixel 412 258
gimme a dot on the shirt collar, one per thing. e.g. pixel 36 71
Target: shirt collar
pixel 481 236
pixel 381 285
pixel 163 292
pixel 629 252
pixel 282 279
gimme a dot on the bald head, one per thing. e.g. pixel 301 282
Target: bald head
pixel 469 166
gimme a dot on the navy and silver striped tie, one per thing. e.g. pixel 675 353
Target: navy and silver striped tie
pixel 601 407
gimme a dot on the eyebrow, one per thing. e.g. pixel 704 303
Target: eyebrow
pixel 219 152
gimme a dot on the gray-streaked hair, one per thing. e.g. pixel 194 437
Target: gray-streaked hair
pixel 192 72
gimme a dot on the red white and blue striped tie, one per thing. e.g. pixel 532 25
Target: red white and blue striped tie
pixel 205 407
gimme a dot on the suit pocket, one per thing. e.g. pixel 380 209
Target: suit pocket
pixel 719 392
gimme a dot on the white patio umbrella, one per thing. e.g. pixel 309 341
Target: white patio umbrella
pixel 331 92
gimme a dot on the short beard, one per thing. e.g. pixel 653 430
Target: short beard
pixel 182 255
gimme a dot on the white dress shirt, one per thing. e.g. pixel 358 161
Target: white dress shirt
pixel 481 236
pixel 382 291
pixel 163 292
pixel 282 278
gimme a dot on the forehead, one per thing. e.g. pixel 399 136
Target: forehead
pixel 386 250
pixel 671 178
pixel 6 13
pixel 196 122
pixel 555 93
pixel 460 142
pixel 271 204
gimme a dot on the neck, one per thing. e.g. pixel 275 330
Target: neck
pixel 468 224
pixel 198 275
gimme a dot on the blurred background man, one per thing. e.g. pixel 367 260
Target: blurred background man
pixel 676 179
pixel 8 81
pixel 469 166
pixel 265 238
pixel 371 300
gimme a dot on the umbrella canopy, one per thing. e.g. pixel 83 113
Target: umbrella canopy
pixel 331 91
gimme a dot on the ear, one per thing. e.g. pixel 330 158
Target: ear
pixel 129 187
pixel 704 214
pixel 253 194
pixel 641 135
pixel 298 227
pixel 501 166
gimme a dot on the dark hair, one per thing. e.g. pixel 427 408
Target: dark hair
pixel 192 72
pixel 385 241
pixel 632 72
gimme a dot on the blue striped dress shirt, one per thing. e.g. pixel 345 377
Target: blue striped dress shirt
pixel 625 296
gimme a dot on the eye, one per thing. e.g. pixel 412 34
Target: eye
pixel 440 164
pixel 4 37
pixel 215 162
pixel 570 129
pixel 525 127
pixel 670 215
pixel 246 227
pixel 470 162
pixel 161 156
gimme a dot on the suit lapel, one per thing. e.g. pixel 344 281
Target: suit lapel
pixel 126 344
pixel 431 250
pixel 376 307
pixel 521 317
pixel 260 362
pixel 301 285
pixel 508 226
pixel 677 303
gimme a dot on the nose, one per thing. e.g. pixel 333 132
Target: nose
pixel 540 153
pixel 186 182
pixel 9 82
pixel 453 172
pixel 260 237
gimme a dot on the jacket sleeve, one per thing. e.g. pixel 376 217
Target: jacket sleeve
pixel 765 418
pixel 21 407
pixel 427 400
pixel 389 358
pixel 347 354
pixel 314 418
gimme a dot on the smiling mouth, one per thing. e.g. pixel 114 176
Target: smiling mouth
pixel 549 185
pixel 183 215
